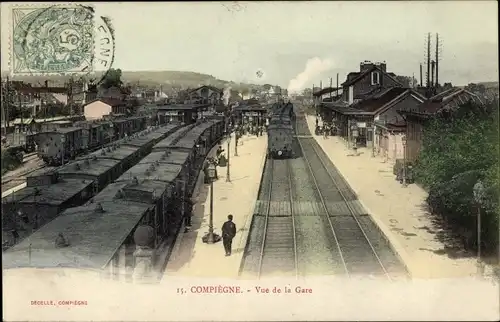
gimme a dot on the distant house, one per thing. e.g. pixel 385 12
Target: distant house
pixel 445 102
pixel 112 93
pixel 98 108
pixel 371 77
pixel 206 95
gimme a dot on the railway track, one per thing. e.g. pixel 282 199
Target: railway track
pixel 309 222
pixel 278 252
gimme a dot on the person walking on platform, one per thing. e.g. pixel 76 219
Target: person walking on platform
pixel 228 233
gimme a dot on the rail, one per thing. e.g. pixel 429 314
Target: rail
pixel 325 208
pixel 267 243
pixel 351 210
pixel 292 213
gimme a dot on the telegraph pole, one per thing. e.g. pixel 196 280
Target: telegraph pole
pixel 428 84
pixel 437 60
pixel 70 95
pixel 337 91
pixel 331 92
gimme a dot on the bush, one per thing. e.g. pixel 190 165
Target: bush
pixel 10 160
pixel 458 150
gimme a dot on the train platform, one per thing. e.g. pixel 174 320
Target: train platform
pixel 190 256
pixel 398 211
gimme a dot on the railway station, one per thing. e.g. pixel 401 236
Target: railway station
pixel 248 170
pixel 284 189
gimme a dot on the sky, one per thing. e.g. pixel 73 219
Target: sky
pixel 298 44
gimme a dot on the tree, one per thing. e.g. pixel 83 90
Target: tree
pixel 112 78
pixel 458 150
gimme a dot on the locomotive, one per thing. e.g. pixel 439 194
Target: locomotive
pixel 280 132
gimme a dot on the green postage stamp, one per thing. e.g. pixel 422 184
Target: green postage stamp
pixel 52 39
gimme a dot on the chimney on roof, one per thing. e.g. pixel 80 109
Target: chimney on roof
pixel 382 66
pixel 135 181
pixel 77 166
pixel 365 65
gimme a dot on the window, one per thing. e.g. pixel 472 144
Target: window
pixel 375 78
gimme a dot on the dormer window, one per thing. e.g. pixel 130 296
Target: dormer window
pixel 375 78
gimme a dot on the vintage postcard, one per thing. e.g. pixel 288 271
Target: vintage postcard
pixel 250 161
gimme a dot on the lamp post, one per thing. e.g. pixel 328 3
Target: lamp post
pixel 403 140
pixel 354 131
pixel 228 177
pixel 374 129
pixel 236 141
pixel 63 140
pixel 210 237
pixel 479 194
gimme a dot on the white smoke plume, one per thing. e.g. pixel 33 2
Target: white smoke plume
pixel 314 66
pixel 226 96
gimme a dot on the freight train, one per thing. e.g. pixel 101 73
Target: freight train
pixel 57 145
pixel 150 197
pixel 50 191
pixel 280 131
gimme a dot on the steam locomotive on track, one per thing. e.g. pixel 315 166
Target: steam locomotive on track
pixel 280 131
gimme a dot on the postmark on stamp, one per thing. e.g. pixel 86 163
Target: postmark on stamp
pixel 59 39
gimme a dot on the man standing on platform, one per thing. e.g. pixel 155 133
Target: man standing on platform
pixel 228 233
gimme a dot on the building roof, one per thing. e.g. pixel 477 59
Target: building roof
pixel 28 89
pixel 375 103
pixel 326 90
pixel 398 126
pixel 93 237
pixel 181 107
pixel 448 100
pixel 366 72
pixel 377 100
pixel 109 101
pixel 213 88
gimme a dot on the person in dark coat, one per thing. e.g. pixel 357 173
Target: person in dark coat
pixel 219 151
pixel 188 213
pixel 228 233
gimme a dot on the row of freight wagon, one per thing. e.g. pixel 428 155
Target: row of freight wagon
pixel 153 193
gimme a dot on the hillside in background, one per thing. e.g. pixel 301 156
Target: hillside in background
pixel 148 79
